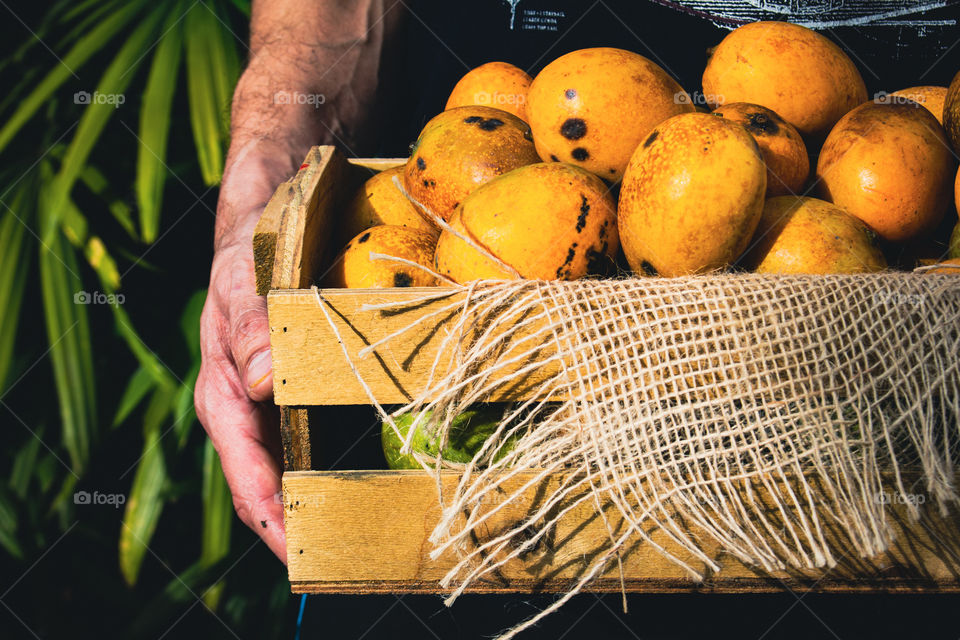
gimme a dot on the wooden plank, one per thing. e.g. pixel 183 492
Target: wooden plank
pixel 265 235
pixel 377 164
pixel 305 349
pixel 303 227
pixel 325 182
pixel 295 437
pixel 307 181
pixel 367 532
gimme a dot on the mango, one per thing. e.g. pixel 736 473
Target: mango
pixel 462 148
pixel 377 202
pixel 794 71
pixel 496 84
pixel 807 235
pixel 592 107
pixel 548 221
pixel 947 267
pixel 930 97
pixel 889 165
pixel 951 113
pixel 691 197
pixel 784 152
pixel 354 268
pixel 468 432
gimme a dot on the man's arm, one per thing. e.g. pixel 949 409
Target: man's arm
pixel 311 79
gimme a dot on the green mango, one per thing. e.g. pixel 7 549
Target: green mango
pixel 468 432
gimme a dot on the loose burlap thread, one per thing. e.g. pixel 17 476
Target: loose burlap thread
pixel 684 401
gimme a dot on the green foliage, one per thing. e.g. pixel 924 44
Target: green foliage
pixel 67 217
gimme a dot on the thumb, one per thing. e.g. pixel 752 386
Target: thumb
pixel 250 344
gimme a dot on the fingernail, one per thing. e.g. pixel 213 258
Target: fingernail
pixel 258 369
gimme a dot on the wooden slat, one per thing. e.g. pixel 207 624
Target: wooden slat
pixel 306 220
pixel 367 532
pixel 295 437
pixel 377 164
pixel 325 179
pixel 265 235
pixel 306 350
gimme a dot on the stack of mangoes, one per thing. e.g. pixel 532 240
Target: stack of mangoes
pixel 602 164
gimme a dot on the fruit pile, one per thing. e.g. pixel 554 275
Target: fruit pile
pixel 603 151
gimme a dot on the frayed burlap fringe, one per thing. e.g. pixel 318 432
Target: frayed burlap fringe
pixel 687 399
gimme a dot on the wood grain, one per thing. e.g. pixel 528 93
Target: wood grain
pixel 367 532
pixel 306 350
pixel 265 235
pixel 292 235
pixel 295 438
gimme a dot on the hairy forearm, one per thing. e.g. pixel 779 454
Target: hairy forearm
pixel 311 79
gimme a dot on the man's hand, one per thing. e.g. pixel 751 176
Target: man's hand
pixel 298 52
pixel 234 379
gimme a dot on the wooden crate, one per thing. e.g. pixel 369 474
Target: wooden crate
pixel 367 531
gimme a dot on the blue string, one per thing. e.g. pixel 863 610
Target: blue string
pixel 303 605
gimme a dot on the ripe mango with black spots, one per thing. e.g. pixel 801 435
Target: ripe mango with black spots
pixel 951 113
pixel 889 165
pixel 691 197
pixel 500 85
pixel 795 71
pixel 807 235
pixel 378 202
pixel 461 149
pixel 592 107
pixel 546 221
pixel 784 152
pixel 356 268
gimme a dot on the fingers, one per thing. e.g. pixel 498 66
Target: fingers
pixel 250 346
pixel 246 438
pixel 240 319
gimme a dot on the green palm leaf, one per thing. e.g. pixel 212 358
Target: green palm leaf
pixel 75 227
pixel 68 333
pixel 156 616
pixel 94 180
pixel 217 518
pixel 95 41
pixel 13 275
pixel 24 465
pixel 155 126
pixel 113 83
pixel 224 62
pixel 8 525
pixel 139 386
pixel 145 502
pixel 207 104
